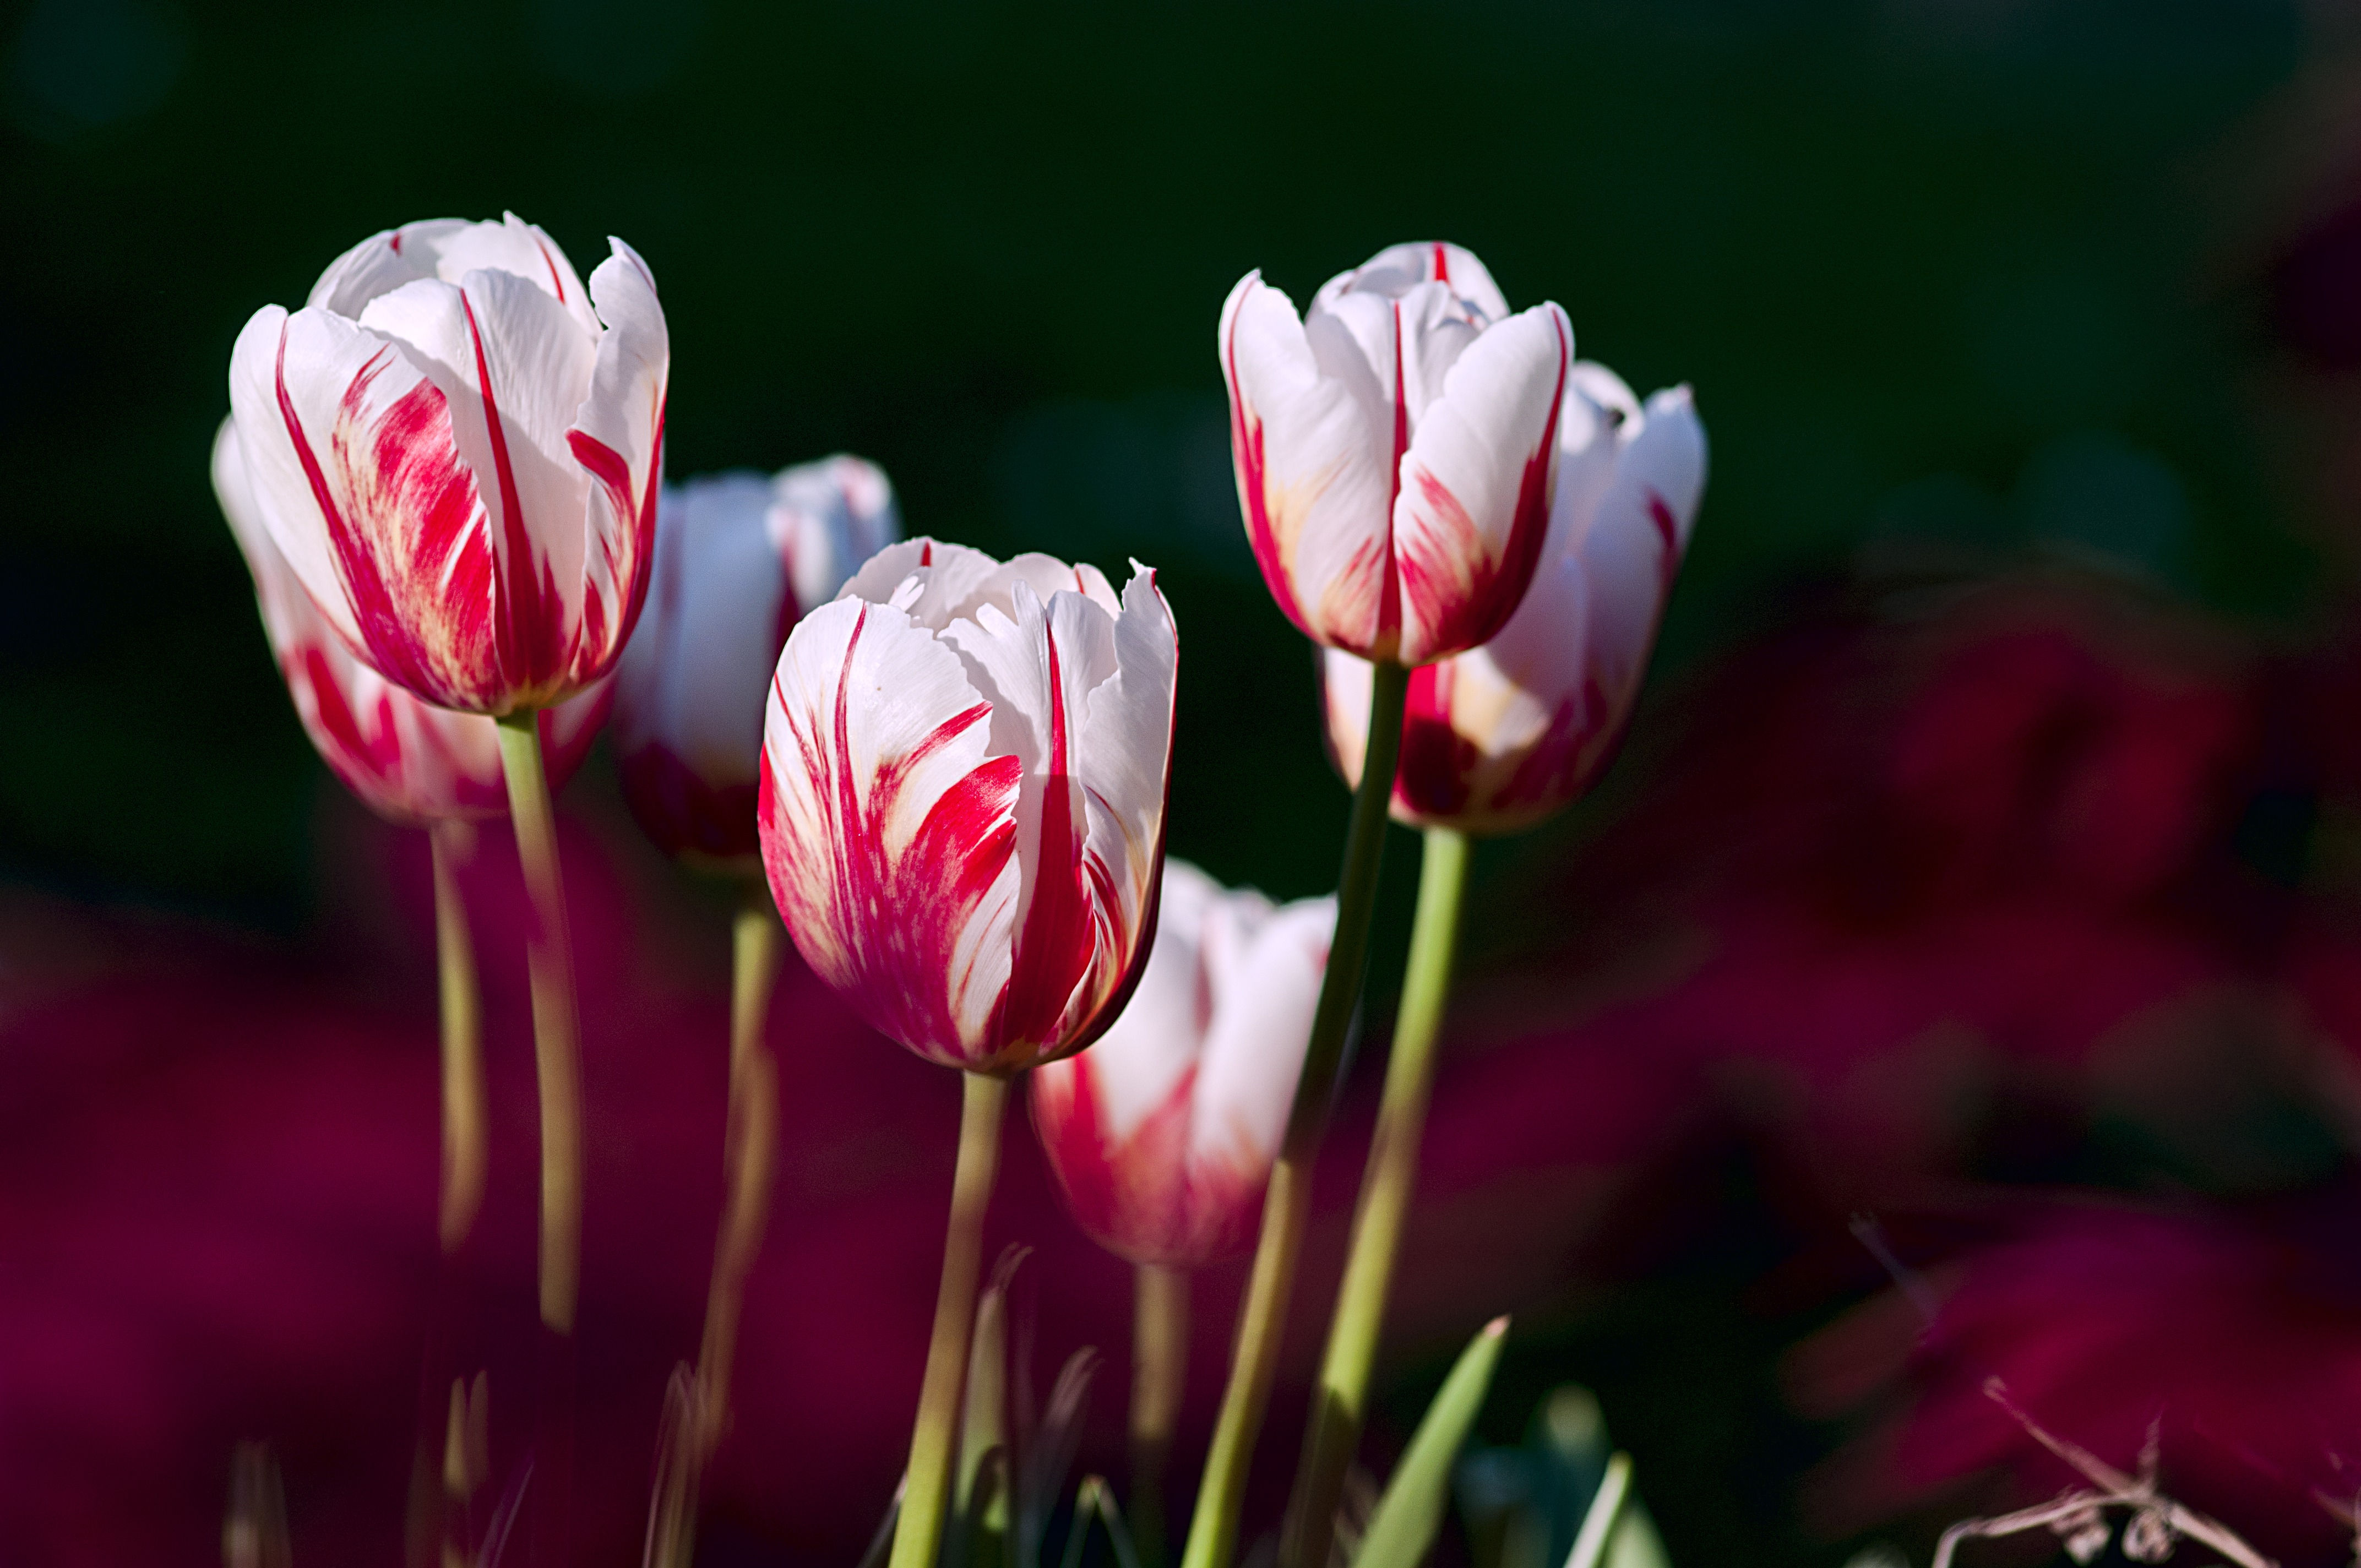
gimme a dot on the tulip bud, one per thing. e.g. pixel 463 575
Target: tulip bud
pixel 965 769
pixel 1163 1133
pixel 737 558
pixel 1497 738
pixel 408 762
pixel 456 448
pixel 1395 449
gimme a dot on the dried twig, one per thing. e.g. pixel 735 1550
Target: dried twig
pixel 2079 1516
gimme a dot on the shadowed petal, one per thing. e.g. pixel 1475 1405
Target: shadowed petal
pixel 1311 450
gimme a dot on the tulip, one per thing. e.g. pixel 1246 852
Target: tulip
pixel 1394 449
pixel 963 797
pixel 1498 737
pixel 409 762
pixel 962 810
pixel 456 447
pixel 1492 740
pixel 1162 1133
pixel 737 558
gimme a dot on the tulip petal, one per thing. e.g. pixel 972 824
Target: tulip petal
pixel 1633 547
pixel 1037 668
pixel 1474 510
pixel 1162 1135
pixel 1126 756
pixel 698 666
pixel 947 575
pixel 890 831
pixel 1345 681
pixel 520 249
pixel 826 518
pixel 1264 968
pixel 618 436
pixel 1311 436
pixel 381 264
pixel 1399 269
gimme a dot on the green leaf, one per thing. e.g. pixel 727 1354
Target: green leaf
pixel 1411 1509
pixel 1636 1544
pixel 1617 1532
pixel 1606 1513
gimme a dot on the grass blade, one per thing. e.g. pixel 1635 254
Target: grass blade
pixel 1411 1509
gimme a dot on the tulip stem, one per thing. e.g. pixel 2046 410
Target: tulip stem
pixel 465 1156
pixel 557 1034
pixel 751 1154
pixel 1159 1367
pixel 465 1141
pixel 917 1538
pixel 1386 1182
pixel 1287 1205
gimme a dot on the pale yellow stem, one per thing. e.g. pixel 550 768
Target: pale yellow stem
pixel 920 1534
pixel 466 1143
pixel 556 1031
pixel 751 1158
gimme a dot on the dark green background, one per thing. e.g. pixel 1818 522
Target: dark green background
pixel 1953 269
pixel 1927 263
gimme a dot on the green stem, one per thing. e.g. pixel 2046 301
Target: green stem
pixel 557 1033
pixel 751 1154
pixel 1159 1368
pixel 465 1140
pixel 1339 1402
pixel 1287 1206
pixel 917 1538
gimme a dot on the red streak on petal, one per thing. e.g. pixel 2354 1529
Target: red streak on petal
pixel 1436 774
pixel 396 242
pixel 371 768
pixel 1442 264
pixel 304 454
pixel 549 261
pixel 1668 532
pixel 523 628
pixel 1056 946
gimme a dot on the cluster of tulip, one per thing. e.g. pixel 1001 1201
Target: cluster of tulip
pixel 945 776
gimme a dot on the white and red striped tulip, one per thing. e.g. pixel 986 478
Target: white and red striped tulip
pixel 964 770
pixel 738 559
pixel 456 447
pixel 408 761
pixel 1395 449
pixel 1499 738
pixel 1163 1133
